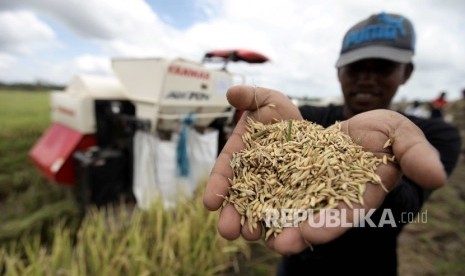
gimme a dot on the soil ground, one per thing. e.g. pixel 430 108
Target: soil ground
pixel 437 246
pixel 433 244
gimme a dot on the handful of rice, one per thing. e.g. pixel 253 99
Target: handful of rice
pixel 297 164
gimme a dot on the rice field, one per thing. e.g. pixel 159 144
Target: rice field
pixel 42 231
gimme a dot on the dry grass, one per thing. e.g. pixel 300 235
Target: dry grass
pixel 122 240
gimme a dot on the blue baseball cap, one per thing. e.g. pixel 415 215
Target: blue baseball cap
pixel 384 35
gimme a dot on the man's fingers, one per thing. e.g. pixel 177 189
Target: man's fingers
pixel 268 105
pixel 229 224
pixel 318 229
pixel 289 241
pixel 418 159
pixel 217 188
pixel 218 182
pixel 249 98
pixel 251 236
pixel 265 104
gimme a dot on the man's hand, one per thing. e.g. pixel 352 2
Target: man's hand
pixel 416 158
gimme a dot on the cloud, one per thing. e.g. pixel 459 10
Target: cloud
pixel 23 33
pixel 93 64
pixel 101 19
pixel 308 36
pixel 302 38
pixel 6 61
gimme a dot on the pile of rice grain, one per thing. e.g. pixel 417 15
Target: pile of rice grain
pixel 297 164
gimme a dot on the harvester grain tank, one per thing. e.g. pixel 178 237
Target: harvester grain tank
pixel 132 133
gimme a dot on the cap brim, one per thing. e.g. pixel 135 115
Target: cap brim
pixel 389 53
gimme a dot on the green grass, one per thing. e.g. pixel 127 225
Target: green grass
pixel 23 118
pixel 26 196
pixel 23 112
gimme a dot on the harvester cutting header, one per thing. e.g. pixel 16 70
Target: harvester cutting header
pixel 152 129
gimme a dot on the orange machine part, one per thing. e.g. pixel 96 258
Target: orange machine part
pixel 238 55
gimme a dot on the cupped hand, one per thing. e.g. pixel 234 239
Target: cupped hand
pixel 415 157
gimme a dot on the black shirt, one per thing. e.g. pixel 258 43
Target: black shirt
pixel 362 249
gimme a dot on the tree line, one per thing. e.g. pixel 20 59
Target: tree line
pixel 36 86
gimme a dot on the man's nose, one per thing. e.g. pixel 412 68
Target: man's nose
pixel 367 75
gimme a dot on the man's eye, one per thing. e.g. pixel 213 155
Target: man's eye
pixel 355 69
pixel 385 69
pixel 379 69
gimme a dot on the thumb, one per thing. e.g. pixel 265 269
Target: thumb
pixel 418 159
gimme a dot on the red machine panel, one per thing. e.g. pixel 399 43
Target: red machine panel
pixel 53 152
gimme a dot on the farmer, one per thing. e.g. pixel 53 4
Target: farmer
pixel 456 111
pixel 375 59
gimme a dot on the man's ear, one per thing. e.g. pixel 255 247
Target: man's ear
pixel 408 72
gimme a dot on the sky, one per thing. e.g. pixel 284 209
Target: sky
pixel 54 40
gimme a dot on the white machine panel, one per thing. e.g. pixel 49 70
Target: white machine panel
pixel 76 112
pixel 167 90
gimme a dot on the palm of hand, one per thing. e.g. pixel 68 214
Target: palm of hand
pixel 370 129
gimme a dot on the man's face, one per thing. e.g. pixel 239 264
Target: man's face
pixel 371 84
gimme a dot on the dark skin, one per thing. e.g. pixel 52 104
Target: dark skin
pixel 371 84
pixel 371 129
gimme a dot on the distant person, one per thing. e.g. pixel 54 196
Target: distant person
pixel 417 109
pixel 456 110
pixel 438 105
pixel 401 105
pixel 375 60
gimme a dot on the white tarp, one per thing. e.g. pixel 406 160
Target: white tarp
pixel 202 150
pixel 155 166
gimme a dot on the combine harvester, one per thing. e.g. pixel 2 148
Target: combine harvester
pixel 152 130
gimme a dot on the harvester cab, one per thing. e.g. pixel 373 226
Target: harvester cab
pixel 151 130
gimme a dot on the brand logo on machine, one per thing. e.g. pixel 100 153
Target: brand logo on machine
pixel 188 95
pixel 188 72
pixel 65 110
